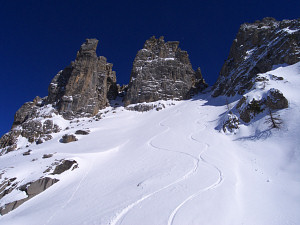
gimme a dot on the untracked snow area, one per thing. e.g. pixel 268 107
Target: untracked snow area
pixel 172 167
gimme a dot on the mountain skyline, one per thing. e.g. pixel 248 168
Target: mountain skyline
pixel 164 149
pixel 42 38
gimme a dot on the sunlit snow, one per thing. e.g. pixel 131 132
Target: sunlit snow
pixel 172 166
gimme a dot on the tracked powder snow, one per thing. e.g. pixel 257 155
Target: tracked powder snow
pixel 173 166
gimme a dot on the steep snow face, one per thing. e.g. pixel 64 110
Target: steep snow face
pixel 173 166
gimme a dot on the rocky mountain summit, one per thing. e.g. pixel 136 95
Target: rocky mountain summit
pixel 257 48
pixel 85 86
pixel 80 90
pixel 161 70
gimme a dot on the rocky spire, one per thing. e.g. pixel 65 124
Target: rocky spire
pixel 83 88
pixel 88 48
pixel 161 70
pixel 257 47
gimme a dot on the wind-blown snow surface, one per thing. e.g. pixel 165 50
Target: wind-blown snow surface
pixel 172 167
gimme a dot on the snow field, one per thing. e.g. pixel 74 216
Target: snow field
pixel 171 167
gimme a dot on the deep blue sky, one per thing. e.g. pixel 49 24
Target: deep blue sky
pixel 39 38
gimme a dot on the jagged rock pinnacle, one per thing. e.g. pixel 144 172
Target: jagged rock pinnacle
pixel 161 70
pixel 83 88
pixel 88 48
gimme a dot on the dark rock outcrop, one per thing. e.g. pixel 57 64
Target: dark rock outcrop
pixel 27 123
pixel 32 189
pixel 249 110
pixel 8 142
pixel 273 99
pixel 7 186
pixel 11 206
pixel 82 132
pixel 35 130
pixel 230 123
pixel 146 107
pixel 64 166
pixel 38 186
pixel 27 152
pixel 28 110
pixel 85 86
pixel 161 70
pixel 257 47
pixel 276 100
pixel 46 156
pixel 67 138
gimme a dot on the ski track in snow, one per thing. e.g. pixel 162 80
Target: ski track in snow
pixel 196 194
pixel 122 214
pixel 73 194
pixel 210 187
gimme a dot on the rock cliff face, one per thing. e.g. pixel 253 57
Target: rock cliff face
pixel 34 122
pixel 161 70
pixel 81 89
pixel 85 86
pixel 257 47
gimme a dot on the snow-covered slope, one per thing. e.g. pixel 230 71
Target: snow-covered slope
pixel 173 166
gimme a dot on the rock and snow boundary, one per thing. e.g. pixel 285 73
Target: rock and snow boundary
pixel 170 166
